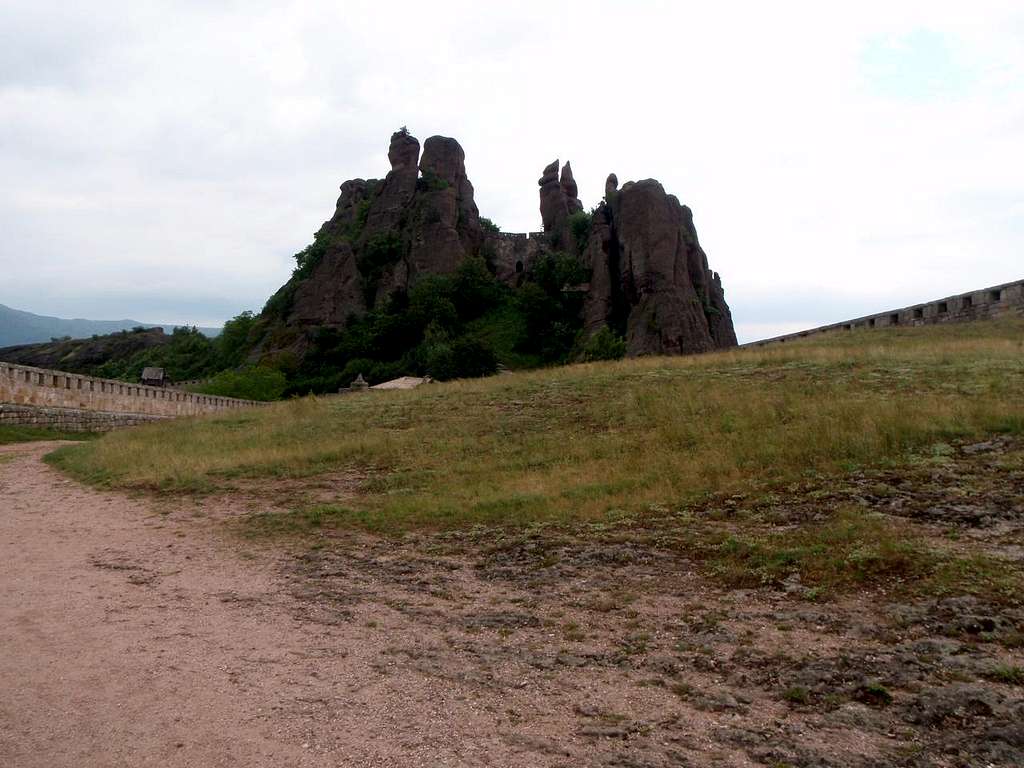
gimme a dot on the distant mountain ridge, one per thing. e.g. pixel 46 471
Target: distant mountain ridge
pixel 20 327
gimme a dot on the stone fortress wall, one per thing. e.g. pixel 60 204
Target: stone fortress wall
pixel 518 235
pixel 998 300
pixel 512 253
pixel 72 402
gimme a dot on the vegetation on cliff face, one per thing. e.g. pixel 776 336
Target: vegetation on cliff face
pixel 381 291
pixel 456 326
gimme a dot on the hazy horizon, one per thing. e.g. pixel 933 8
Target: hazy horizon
pixel 163 163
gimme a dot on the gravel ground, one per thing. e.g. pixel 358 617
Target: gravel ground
pixel 142 632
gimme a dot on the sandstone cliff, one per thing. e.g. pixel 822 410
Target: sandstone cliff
pixel 649 277
pixel 420 219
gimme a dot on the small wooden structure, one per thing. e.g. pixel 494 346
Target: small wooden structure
pixel 154 377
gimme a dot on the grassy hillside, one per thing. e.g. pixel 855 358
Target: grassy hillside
pixel 606 439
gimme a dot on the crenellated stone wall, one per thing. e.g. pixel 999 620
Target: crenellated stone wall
pixel 998 300
pixel 513 253
pixel 44 397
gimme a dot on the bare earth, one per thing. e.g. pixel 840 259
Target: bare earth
pixel 141 632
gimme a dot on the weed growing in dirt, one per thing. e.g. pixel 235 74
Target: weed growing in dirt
pixel 304 521
pixel 1011 675
pixel 849 548
pixel 874 694
pixel 796 695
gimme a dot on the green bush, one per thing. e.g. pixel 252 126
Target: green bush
pixel 556 271
pixel 431 302
pixel 432 182
pixel 437 360
pixel 237 339
pixel 280 303
pixel 188 355
pixel 309 257
pixel 489 226
pixel 249 384
pixel 552 314
pixel 463 358
pixel 604 345
pixel 380 252
pixel 474 289
pixel 473 357
pixel 580 224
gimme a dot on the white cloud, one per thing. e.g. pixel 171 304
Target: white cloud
pixel 184 151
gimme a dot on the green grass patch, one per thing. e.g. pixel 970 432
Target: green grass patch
pixel 851 549
pixel 594 441
pixel 796 695
pixel 306 521
pixel 1008 674
pixel 18 434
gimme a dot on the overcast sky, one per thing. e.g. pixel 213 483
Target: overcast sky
pixel 163 161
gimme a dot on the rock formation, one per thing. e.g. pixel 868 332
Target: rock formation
pixel 649 276
pixel 384 234
pixel 568 185
pixel 650 280
pixel 558 201
pixel 553 208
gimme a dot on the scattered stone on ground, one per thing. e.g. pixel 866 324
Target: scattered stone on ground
pixel 135 631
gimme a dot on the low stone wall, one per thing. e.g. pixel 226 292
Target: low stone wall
pixel 39 388
pixel 70 419
pixel 519 235
pixel 1007 298
pixel 512 254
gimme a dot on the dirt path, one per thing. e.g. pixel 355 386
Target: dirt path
pixel 129 638
pixel 136 632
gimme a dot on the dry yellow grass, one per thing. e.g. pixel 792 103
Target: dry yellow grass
pixel 586 441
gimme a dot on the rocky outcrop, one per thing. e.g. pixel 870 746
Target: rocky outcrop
pixel 553 208
pixel 611 186
pixel 559 201
pixel 450 224
pixel 649 276
pixel 650 279
pixel 568 185
pixel 399 187
pixel 420 219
